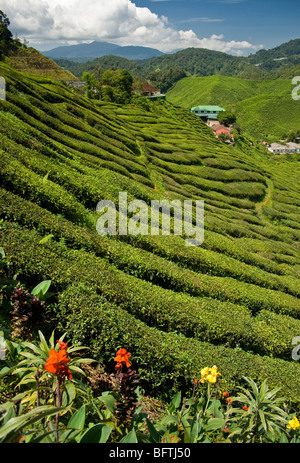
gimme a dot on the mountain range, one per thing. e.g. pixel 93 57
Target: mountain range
pixel 282 61
pixel 87 51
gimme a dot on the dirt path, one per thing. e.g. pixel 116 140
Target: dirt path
pixel 266 201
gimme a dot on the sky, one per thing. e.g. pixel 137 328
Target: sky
pixel 237 27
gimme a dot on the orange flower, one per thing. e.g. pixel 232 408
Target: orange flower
pixel 57 363
pixel 245 408
pixel 122 358
pixel 225 394
pixel 62 345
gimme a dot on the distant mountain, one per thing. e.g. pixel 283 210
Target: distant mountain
pixel 285 55
pixel 194 61
pixel 88 51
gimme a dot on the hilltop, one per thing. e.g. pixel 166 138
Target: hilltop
pixel 233 301
pixel 284 56
pixel 29 60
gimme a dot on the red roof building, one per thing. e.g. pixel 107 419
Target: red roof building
pixel 218 129
pixel 148 90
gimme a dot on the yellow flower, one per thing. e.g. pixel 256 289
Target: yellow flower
pixel 294 424
pixel 214 370
pixel 210 374
pixel 204 373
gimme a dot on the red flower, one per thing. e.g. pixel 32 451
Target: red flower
pixel 62 345
pixel 122 358
pixel 245 408
pixel 226 429
pixel 229 400
pixel 57 363
pixel 225 394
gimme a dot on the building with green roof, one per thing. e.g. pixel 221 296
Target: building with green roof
pixel 209 112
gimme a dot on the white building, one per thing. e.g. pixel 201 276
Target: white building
pixel 277 148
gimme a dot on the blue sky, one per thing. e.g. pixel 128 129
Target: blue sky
pixel 237 27
pixel 267 22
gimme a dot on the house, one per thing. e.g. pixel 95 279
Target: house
pixel 150 92
pixel 293 147
pixel 277 148
pixel 207 112
pixel 218 129
pixel 75 83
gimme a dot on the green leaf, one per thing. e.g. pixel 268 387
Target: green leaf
pixel 215 408
pixel 10 431
pixel 77 420
pixel 130 438
pixel 69 393
pixel 46 239
pixel 109 401
pixel 153 433
pixel 214 423
pixel 9 415
pixel 98 434
pixel 283 439
pixel 41 289
pixel 176 401
pixel 43 345
pixel 2 254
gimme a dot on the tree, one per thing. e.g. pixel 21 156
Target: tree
pixel 92 86
pixel 165 79
pixel 6 38
pixel 116 86
pixel 226 118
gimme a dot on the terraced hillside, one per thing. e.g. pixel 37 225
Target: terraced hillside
pixel 265 109
pixel 233 302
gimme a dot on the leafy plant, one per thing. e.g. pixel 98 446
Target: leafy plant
pixel 260 419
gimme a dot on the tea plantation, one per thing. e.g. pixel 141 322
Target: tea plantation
pixel 232 302
pixel 264 109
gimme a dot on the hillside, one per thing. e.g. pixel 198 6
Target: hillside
pixel 232 302
pixel 194 61
pixel 30 61
pixel 284 56
pixel 264 108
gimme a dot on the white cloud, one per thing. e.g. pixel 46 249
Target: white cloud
pixel 117 21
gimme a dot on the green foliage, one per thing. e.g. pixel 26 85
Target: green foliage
pixel 80 417
pixel 226 118
pixel 234 300
pixel 116 86
pixel 260 419
pixel 7 43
